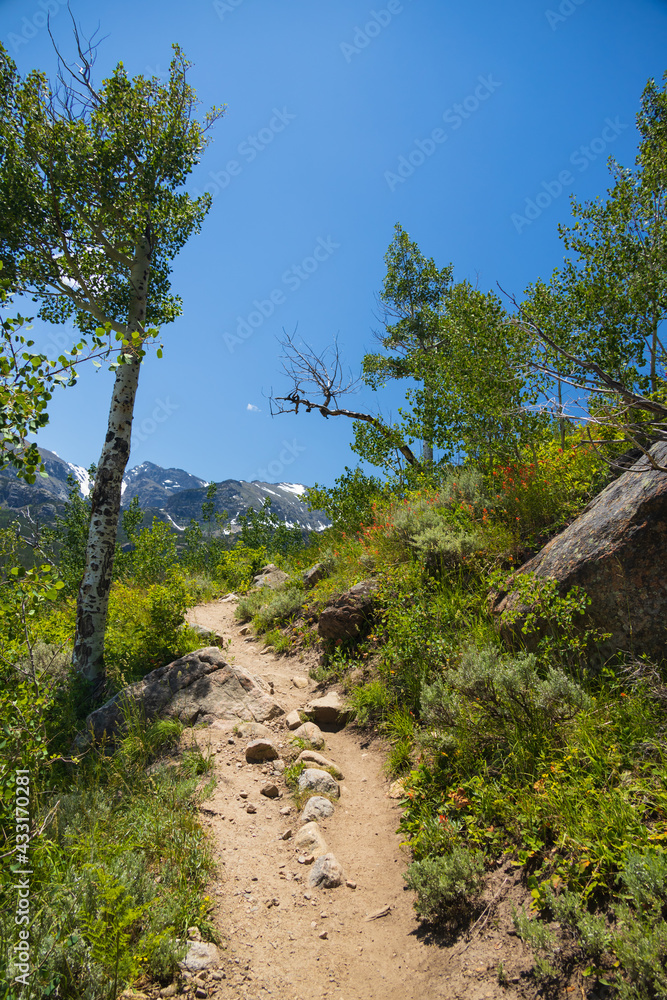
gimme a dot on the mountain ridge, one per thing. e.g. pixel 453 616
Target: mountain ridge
pixel 173 495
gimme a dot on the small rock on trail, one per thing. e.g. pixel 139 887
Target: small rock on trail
pixel 316 808
pixel 314 780
pixel 260 750
pixel 326 872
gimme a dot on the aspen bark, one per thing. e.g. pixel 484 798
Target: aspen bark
pixel 93 597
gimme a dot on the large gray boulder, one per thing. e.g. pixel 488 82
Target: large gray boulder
pixel 617 552
pixel 197 686
pixel 347 615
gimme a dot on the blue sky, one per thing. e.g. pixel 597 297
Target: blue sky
pixel 344 118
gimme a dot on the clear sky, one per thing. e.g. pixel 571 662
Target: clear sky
pixel 329 131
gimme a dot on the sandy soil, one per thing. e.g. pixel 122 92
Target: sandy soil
pixel 270 923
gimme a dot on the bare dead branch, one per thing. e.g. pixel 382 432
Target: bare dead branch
pixel 313 374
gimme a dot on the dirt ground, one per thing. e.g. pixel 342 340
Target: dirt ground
pixel 281 939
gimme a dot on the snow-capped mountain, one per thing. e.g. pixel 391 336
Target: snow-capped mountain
pixel 172 495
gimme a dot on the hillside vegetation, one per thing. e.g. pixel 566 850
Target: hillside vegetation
pixel 533 750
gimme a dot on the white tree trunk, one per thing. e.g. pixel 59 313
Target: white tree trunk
pixel 93 597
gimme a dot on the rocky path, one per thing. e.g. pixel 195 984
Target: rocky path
pixel 282 938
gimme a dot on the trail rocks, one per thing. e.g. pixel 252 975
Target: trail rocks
pixel 199 685
pixel 270 791
pixel 270 576
pixel 616 551
pixel 200 955
pixel 316 808
pixel 260 750
pixel 309 840
pixel 300 682
pixel 326 872
pixel 310 756
pixel 347 615
pixel 329 710
pixel 293 719
pixel 321 782
pixel 309 731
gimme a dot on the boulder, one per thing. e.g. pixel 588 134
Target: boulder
pixel 347 615
pixel 260 750
pixel 270 576
pixel 616 551
pixel 311 757
pixel 310 732
pixel 326 873
pixel 329 710
pixel 315 809
pixel 309 840
pixel 320 782
pixel 312 576
pixel 199 685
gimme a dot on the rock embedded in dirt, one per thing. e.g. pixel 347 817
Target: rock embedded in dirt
pixel 616 551
pixel 311 756
pixel 253 730
pixel 309 839
pixel 348 614
pixel 287 835
pixel 271 791
pixel 300 682
pixel 260 750
pixel 320 782
pixel 316 808
pixel 330 710
pixel 270 576
pixel 200 955
pixel 250 808
pixel 326 873
pixel 197 685
pixel 310 732
pixel 278 766
pixel 293 719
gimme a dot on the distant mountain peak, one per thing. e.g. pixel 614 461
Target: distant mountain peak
pixel 173 495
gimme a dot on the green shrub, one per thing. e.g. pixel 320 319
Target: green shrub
pixel 445 883
pixel 146 628
pixel 370 702
pixel 274 637
pixel 276 607
pixel 237 566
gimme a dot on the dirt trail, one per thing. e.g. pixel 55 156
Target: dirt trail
pixel 270 923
